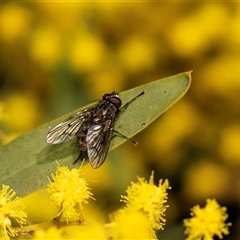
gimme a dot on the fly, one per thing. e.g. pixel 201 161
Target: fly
pixel 92 127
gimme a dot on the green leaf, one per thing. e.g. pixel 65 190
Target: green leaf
pixel 28 160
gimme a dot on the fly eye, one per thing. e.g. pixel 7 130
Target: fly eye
pixel 116 101
pixel 106 96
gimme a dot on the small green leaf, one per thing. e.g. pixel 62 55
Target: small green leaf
pixel 28 160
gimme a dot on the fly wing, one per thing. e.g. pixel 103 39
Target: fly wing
pixel 98 140
pixel 67 130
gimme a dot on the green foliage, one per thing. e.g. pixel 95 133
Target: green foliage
pixel 28 160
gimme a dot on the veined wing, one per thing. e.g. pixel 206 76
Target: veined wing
pixel 98 140
pixel 67 130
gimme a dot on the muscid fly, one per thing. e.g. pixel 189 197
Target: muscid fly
pixel 92 127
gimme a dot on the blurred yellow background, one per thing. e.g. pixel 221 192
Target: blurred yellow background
pixel 56 57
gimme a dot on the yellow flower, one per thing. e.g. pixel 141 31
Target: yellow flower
pixel 207 222
pixel 94 231
pixel 132 225
pixel 137 54
pixel 50 233
pixel 68 192
pixel 91 231
pixel 10 208
pixel 148 198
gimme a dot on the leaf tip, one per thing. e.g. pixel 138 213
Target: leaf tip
pixel 189 74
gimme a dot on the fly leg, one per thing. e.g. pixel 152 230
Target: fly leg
pixel 123 136
pixel 78 158
pixel 128 103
